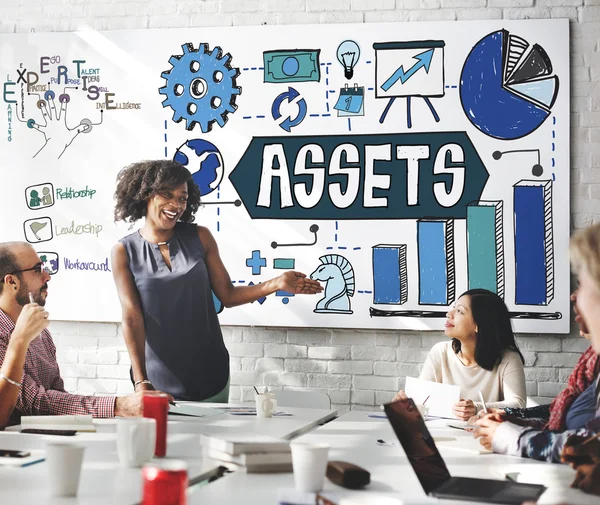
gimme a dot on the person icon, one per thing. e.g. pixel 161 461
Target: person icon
pixel 47 198
pixel 34 199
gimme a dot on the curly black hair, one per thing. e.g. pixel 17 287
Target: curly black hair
pixel 139 181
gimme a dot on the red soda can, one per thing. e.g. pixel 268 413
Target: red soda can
pixel 165 483
pixel 156 406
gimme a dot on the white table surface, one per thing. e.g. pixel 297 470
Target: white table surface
pixel 105 482
pixel 353 438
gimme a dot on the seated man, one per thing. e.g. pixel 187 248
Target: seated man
pixel 41 388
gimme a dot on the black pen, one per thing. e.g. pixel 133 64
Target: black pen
pixel 171 402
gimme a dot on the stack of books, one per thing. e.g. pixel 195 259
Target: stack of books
pixel 252 454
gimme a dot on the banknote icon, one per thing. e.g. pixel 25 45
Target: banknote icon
pixel 298 65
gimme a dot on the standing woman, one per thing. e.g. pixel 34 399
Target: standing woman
pixel 481 356
pixel 164 274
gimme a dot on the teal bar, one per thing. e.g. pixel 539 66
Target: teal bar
pixel 484 247
pixel 284 263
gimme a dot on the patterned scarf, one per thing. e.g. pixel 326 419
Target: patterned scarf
pixel 585 373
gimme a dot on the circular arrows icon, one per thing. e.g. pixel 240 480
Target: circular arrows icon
pixel 288 123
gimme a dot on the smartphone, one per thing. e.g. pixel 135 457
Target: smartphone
pixel 66 433
pixel 7 453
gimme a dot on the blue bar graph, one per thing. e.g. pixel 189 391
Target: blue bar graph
pixel 390 278
pixel 435 243
pixel 485 246
pixel 534 243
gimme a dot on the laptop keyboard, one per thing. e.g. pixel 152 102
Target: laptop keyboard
pixel 472 487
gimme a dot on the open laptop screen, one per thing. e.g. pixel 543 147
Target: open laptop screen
pixel 417 443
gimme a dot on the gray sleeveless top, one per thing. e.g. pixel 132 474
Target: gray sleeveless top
pixel 185 353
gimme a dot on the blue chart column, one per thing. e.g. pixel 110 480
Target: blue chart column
pixel 390 278
pixel 435 242
pixel 485 246
pixel 534 243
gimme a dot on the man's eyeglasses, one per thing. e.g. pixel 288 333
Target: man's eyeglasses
pixel 38 268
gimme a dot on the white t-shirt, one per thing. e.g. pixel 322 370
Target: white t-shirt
pixel 502 387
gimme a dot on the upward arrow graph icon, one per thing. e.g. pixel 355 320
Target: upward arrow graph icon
pixel 424 61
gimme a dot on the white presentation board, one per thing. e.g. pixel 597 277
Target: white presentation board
pixel 400 164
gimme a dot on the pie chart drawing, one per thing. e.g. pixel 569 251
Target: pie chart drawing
pixel 506 86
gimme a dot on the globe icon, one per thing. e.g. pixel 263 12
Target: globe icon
pixel 204 161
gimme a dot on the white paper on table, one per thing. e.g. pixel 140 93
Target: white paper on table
pixel 442 397
pixel 193 410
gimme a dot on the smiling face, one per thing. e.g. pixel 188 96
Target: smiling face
pixel 459 320
pixel 166 206
pixel 32 281
pixel 588 301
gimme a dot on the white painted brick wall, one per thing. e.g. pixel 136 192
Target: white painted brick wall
pixel 358 369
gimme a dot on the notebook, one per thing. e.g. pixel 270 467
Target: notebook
pixel 69 422
pixel 431 470
pixel 239 444
pixel 440 397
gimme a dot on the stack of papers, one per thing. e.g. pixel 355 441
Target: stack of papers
pixel 251 411
pixel 193 410
pixel 72 422
pixel 247 453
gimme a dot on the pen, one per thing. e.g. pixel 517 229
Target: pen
pixel 590 439
pixel 483 402
pixel 31 299
pixel 173 403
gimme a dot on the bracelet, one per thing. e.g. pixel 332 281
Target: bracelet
pixel 14 383
pixel 145 381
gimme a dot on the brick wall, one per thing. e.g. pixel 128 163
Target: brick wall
pixel 358 369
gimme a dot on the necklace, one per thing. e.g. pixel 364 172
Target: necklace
pixel 161 243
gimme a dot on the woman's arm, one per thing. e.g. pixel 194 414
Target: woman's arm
pixel 513 383
pixel 134 331
pixel 231 296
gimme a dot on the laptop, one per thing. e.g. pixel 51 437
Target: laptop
pixel 432 472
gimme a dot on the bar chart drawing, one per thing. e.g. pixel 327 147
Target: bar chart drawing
pixel 485 246
pixel 390 276
pixel 534 242
pixel 435 244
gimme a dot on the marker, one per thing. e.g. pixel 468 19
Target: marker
pixel 31 299
pixel 483 402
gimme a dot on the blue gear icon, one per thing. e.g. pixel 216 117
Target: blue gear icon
pixel 201 87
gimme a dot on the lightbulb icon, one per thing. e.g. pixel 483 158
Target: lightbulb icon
pixel 348 53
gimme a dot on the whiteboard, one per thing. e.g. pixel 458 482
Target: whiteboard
pixel 400 163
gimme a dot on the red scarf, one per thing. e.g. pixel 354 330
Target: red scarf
pixel 582 376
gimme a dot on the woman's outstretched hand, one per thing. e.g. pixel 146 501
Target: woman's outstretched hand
pixel 298 283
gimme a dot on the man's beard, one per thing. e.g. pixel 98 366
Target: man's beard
pixel 23 295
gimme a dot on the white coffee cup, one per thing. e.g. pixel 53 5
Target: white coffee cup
pixel 64 467
pixel 136 438
pixel 265 404
pixel 310 463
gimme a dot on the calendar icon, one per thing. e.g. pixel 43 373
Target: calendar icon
pixel 351 101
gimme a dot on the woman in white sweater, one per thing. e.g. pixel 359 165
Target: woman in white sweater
pixel 482 355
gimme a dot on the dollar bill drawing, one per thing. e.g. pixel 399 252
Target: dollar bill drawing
pixel 298 65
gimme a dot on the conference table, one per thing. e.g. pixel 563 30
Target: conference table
pixel 354 437
pixel 104 482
